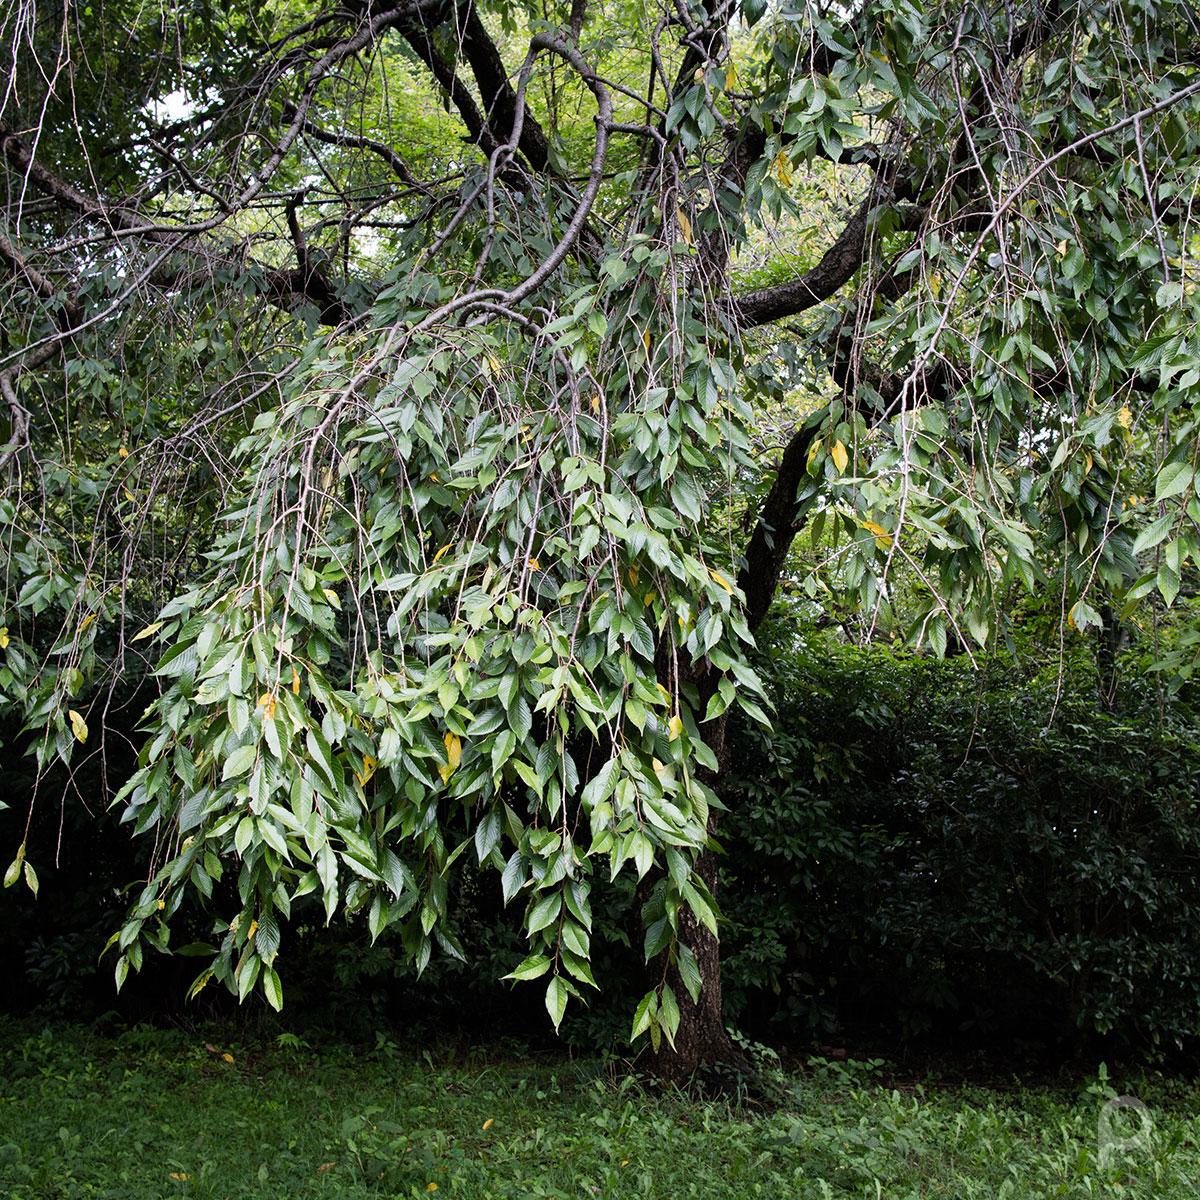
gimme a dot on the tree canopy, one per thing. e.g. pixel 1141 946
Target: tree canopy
pixel 412 406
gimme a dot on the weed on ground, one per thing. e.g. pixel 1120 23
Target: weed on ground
pixel 150 1114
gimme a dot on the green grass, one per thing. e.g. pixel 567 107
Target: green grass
pixel 152 1114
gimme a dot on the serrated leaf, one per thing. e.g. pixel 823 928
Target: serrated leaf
pixel 1172 479
pixel 531 968
pixel 556 1000
pixel 272 988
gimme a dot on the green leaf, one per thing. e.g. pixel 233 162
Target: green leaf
pixel 1174 478
pixel 239 762
pixel 272 988
pixel 556 999
pixel 532 967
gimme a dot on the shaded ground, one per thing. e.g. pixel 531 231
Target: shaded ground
pixel 151 1113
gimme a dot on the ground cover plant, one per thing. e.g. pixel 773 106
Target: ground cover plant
pixel 153 1113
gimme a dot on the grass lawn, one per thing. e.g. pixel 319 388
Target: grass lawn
pixel 149 1114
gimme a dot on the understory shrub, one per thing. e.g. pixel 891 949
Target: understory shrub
pixel 921 848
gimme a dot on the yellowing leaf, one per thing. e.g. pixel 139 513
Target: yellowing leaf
pixel 1125 417
pixel 453 755
pixel 441 552
pixel 368 770
pixel 122 453
pixel 332 597
pixel 721 581
pixel 149 631
pixel 180 1175
pixel 783 169
pixel 494 363
pixel 1071 616
pixel 227 1057
pixel 534 565
pixel 1062 248
pixel 253 928
pixel 431 1187
pixel 883 539
pixel 646 338
pixel 86 621
pixel 488 1123
pixel 129 496
pixel 813 451
pixel 295 682
pixel 596 402
pixel 698 75
pixel 78 725
pixel 685 226
pixel 3 636
pixel 267 703
pixel 841 459
pixel 633 575
pixel 674 727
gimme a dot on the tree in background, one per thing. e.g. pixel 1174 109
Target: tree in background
pixel 393 369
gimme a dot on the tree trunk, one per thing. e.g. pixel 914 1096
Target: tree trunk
pixel 702 1041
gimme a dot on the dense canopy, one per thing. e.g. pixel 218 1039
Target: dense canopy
pixel 412 406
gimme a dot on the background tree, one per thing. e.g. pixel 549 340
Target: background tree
pixel 409 433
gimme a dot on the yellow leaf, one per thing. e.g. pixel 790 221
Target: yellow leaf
pixel 1062 248
pixel 3 636
pixel 685 226
pixel 731 76
pixel 633 575
pixel 1125 417
pixel 534 565
pixel 123 453
pixel 721 581
pixel 180 1175
pixel 129 496
pixel 78 725
pixel 674 727
pixel 494 363
pixel 161 905
pixel 1087 463
pixel 227 1057
pixel 453 755
pixel 813 451
pixel 883 539
pixel 840 458
pixel 295 682
pixel 698 75
pixel 783 169
pixel 332 597
pixel 368 770
pixel 86 621
pixel 1071 616
pixel 442 551
pixel 431 1187
pixel 665 694
pixel 646 338
pixel 648 599
pixel 596 402
pixel 267 703
pixel 487 1124
pixel 149 631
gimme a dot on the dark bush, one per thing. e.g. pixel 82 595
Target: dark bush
pixel 924 849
